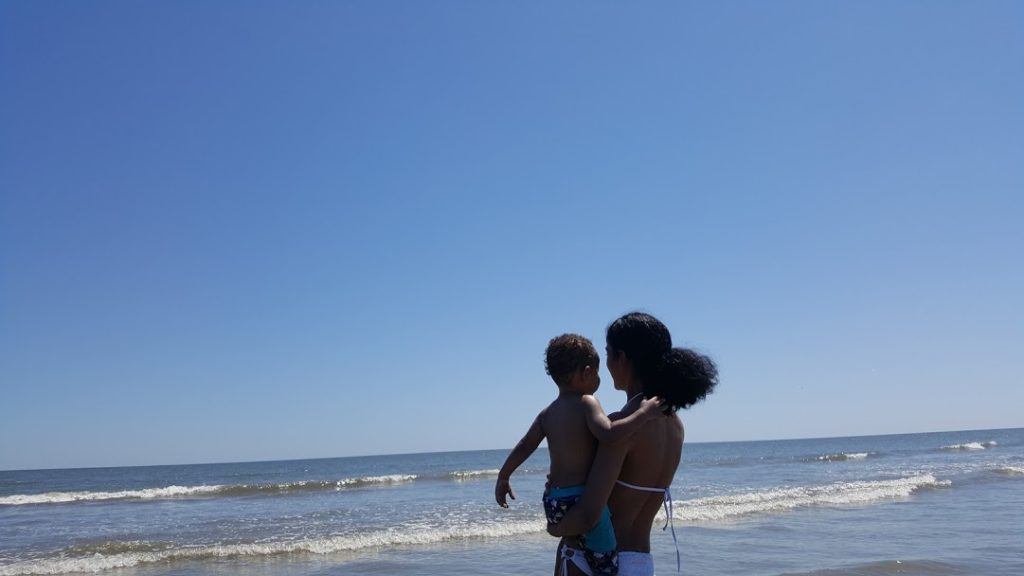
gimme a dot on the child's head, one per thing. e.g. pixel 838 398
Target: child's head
pixel 568 356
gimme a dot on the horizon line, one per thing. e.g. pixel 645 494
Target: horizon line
pixel 387 454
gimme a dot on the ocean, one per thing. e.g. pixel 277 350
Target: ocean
pixel 945 503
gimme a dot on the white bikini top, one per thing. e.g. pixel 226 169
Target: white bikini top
pixel 667 502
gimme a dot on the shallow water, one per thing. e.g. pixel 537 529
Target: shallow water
pixel 929 504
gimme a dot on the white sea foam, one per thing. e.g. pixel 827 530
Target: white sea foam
pixel 789 498
pixel 215 490
pixel 844 456
pixel 372 480
pixel 970 446
pixel 98 562
pixel 1010 470
pixel 473 474
pixel 147 494
pixel 322 484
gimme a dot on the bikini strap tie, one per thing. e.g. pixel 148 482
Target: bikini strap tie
pixel 667 503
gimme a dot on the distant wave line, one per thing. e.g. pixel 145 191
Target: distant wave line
pixel 144 494
pixel 473 474
pixel 169 492
pixel 968 446
pixel 845 456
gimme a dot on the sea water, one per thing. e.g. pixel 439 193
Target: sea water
pixel 932 504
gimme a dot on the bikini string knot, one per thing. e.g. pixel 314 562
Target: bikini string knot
pixel 669 523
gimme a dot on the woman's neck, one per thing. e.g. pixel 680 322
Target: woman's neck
pixel 634 389
pixel 633 396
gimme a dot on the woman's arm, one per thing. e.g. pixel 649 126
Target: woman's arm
pixel 603 473
pixel 611 431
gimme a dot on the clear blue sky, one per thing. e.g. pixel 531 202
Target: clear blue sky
pixel 260 230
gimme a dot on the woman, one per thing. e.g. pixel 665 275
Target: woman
pixel 633 475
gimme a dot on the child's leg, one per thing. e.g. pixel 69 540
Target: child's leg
pixel 601 538
pixel 599 545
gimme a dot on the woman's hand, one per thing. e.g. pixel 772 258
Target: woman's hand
pixel 557 531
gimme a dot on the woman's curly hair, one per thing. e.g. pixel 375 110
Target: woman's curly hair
pixel 679 376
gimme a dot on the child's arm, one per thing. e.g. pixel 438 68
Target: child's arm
pixel 519 454
pixel 606 430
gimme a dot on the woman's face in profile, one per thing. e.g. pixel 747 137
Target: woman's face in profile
pixel 613 360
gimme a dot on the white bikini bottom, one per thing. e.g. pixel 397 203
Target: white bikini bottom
pixel 636 564
pixel 575 556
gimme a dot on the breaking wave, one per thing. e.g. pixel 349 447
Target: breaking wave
pixel 108 556
pixel 146 494
pixel 169 492
pixel 473 474
pixel 372 480
pixel 102 556
pixel 732 506
pixel 967 446
pixel 844 456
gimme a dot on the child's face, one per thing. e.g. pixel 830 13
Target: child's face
pixel 589 380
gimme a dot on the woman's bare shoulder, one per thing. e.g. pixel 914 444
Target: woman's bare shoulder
pixel 654 452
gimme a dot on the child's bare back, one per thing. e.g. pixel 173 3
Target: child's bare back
pixel 571 445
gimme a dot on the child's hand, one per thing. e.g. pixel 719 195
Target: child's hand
pixel 650 408
pixel 502 488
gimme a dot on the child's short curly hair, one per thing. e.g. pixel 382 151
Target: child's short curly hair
pixel 568 353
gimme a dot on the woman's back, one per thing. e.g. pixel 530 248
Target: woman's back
pixel 651 459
